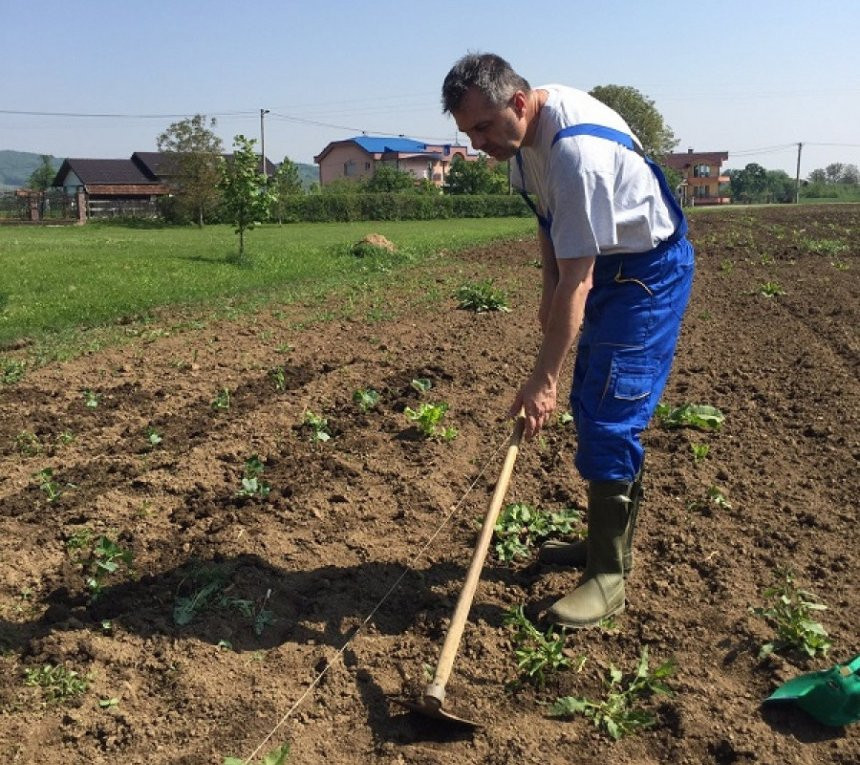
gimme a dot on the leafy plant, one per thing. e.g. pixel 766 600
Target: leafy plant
pixel 318 426
pixel 620 713
pixel 427 418
pixel 153 437
pixel 771 289
pixel 279 378
pixel 11 371
pixel 713 496
pixel 91 399
pixel 58 683
pixel 481 297
pixel 700 451
pixel 790 613
pixel 365 399
pixel 221 402
pixel 536 653
pixel 700 416
pixel 28 444
pixel 277 756
pixel 105 558
pixel 252 483
pixel 421 384
pixel 520 527
pixel 49 487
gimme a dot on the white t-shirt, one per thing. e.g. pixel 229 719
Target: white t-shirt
pixel 601 196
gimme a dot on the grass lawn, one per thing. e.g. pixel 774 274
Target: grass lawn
pixel 57 280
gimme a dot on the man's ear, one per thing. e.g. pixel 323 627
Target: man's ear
pixel 518 102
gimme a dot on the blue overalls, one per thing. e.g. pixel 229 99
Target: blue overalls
pixel 627 342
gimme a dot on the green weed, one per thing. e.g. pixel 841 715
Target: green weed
pixel 481 297
pixel 790 613
pixel 536 653
pixel 771 289
pixel 421 384
pixel 621 712
pixel 91 399
pixel 318 425
pixel 278 376
pixel 365 399
pixel 699 416
pixel 427 419
pixel 221 402
pixel 28 444
pixel 11 371
pixel 520 528
pixel 700 452
pixel 58 683
pixel 47 485
pixel 252 484
pixel 277 756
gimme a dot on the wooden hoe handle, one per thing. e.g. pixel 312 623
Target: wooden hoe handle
pixel 434 694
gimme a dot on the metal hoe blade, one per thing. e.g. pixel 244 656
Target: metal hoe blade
pixel 430 707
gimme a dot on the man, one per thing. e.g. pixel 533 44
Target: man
pixel 615 263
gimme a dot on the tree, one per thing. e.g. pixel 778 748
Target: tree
pixel 818 176
pixel 194 153
pixel 248 196
pixel 780 187
pixel 834 172
pixel 285 183
pixel 850 175
pixel 476 177
pixel 639 112
pixel 387 178
pixel 749 184
pixel 42 177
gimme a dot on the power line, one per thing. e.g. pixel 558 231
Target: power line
pixel 118 116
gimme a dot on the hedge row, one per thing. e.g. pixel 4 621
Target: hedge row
pixel 330 208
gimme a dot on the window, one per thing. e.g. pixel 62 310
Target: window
pixel 367 165
pixel 349 168
pixel 701 191
pixel 702 171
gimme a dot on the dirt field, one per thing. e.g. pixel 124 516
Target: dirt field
pixel 235 604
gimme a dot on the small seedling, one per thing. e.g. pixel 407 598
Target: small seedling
pixel 565 418
pixel 700 452
pixel 537 654
pixel 318 425
pixel 277 756
pixel 153 437
pixel 49 487
pixel 252 483
pixel 520 528
pixel 481 297
pixel 65 437
pixel 28 444
pixel 700 416
pixel 365 399
pixel 91 399
pixel 279 377
pixel 771 289
pixel 58 683
pixel 790 613
pixel 105 559
pixel 427 419
pixel 621 712
pixel 421 384
pixel 221 402
pixel 713 496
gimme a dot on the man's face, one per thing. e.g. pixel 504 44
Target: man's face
pixel 495 130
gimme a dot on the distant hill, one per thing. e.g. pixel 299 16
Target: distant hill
pixel 16 167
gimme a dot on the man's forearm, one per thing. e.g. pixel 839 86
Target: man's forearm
pixel 563 322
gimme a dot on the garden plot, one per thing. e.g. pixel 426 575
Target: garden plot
pixel 194 526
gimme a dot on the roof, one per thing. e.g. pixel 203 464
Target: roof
pixel 685 159
pixel 382 145
pixel 154 162
pixel 105 171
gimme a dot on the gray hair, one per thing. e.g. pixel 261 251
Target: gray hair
pixel 487 72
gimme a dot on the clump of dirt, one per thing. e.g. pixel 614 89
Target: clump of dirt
pixel 373 244
pixel 241 591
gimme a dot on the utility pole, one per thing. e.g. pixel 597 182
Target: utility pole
pixel 797 177
pixel 263 113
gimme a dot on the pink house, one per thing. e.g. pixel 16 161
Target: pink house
pixel 357 157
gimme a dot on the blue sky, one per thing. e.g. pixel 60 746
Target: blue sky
pixel 753 78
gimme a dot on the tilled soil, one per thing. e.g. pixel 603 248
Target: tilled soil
pixel 233 606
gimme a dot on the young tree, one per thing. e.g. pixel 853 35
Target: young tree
pixel 749 184
pixel 286 183
pixel 41 178
pixel 247 195
pixel 639 112
pixel 194 153
pixel 476 177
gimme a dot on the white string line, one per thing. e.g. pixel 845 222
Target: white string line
pixel 408 569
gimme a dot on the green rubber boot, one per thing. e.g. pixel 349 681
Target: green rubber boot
pixel 574 554
pixel 601 592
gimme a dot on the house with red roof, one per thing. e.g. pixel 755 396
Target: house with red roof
pixel 702 179
pixel 357 157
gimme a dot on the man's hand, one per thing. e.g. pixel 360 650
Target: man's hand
pixel 538 398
